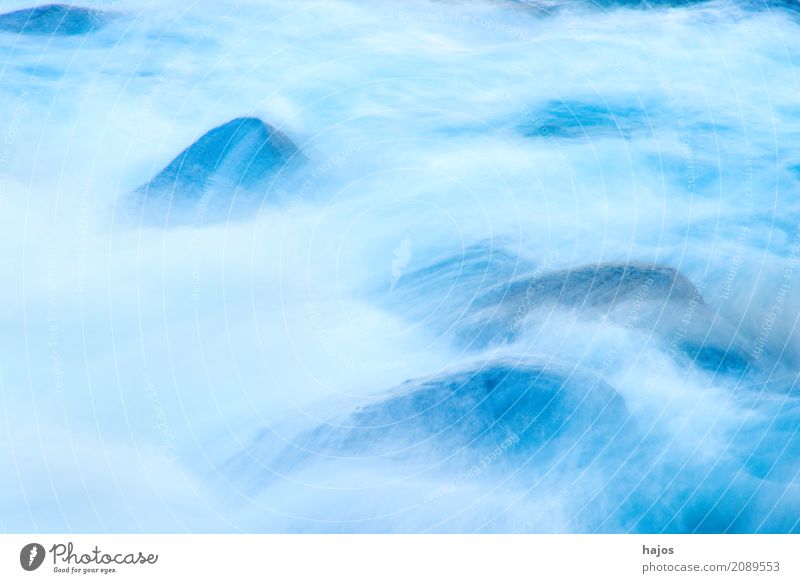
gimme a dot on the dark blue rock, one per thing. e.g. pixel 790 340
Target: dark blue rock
pixel 489 296
pixel 487 292
pixel 515 413
pixel 52 19
pixel 244 153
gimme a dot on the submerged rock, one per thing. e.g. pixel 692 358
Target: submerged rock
pixel 577 119
pixel 52 19
pixel 443 293
pixel 489 296
pixel 492 284
pixel 655 298
pixel 504 410
pixel 599 285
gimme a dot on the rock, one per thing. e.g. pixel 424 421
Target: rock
pixel 504 410
pixel 241 154
pixel 578 119
pixel 52 19
pixel 487 296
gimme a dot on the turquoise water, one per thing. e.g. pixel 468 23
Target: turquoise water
pixel 481 266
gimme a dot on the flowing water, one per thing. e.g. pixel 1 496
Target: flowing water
pixel 425 266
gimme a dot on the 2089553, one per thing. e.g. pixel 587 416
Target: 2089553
pixel 754 566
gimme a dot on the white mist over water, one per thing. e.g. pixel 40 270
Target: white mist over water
pixel 174 378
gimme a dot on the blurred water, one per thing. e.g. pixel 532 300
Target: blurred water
pixel 531 267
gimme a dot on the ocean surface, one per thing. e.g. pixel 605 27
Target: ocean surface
pixel 425 266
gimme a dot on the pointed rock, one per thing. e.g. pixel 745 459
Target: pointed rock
pixel 244 153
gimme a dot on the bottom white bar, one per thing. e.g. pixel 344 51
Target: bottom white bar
pixel 373 558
